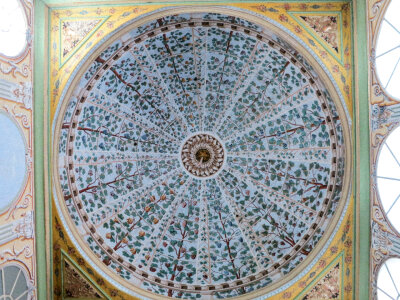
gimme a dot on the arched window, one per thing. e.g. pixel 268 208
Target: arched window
pixel 13 283
pixel 388 284
pixel 388 177
pixel 13 28
pixel 388 51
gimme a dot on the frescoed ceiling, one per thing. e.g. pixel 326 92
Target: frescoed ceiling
pixel 201 156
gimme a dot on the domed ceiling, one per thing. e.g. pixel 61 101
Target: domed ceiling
pixel 200 156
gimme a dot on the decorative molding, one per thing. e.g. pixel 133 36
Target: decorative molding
pixel 17 232
pixel 76 283
pixel 384 117
pixel 74 32
pixel 326 28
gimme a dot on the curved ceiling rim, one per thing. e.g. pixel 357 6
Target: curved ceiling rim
pixel 265 24
pixel 275 268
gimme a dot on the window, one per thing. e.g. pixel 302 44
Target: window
pixel 388 177
pixel 388 51
pixel 13 28
pixel 389 280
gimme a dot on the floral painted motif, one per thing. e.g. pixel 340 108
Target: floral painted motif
pixel 75 286
pixel 328 287
pixel 73 32
pixel 326 27
pixel 120 155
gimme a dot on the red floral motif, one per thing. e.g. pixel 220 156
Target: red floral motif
pixel 261 8
pixel 303 6
pixel 322 263
pixel 334 249
pixel 287 295
pixel 348 243
pixel 302 284
pixel 335 68
pixel 298 29
pixel 283 18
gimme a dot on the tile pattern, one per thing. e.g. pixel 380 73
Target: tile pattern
pixel 120 145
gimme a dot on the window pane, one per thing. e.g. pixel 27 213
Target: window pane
pixel 388 50
pixel 388 177
pixel 389 280
pixel 13 28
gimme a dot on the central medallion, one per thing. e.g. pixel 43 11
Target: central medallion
pixel 202 155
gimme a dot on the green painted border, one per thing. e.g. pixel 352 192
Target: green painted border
pixel 65 256
pixel 361 153
pixel 323 273
pixel 83 41
pixel 295 15
pixel 39 159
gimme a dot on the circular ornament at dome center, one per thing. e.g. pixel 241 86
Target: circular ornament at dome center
pixel 202 155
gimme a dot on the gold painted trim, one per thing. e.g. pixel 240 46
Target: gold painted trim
pixel 263 23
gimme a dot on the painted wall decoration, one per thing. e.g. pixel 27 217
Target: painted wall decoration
pixel 151 214
pixel 384 119
pixel 17 242
pixel 74 32
pixel 328 287
pixel 75 282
